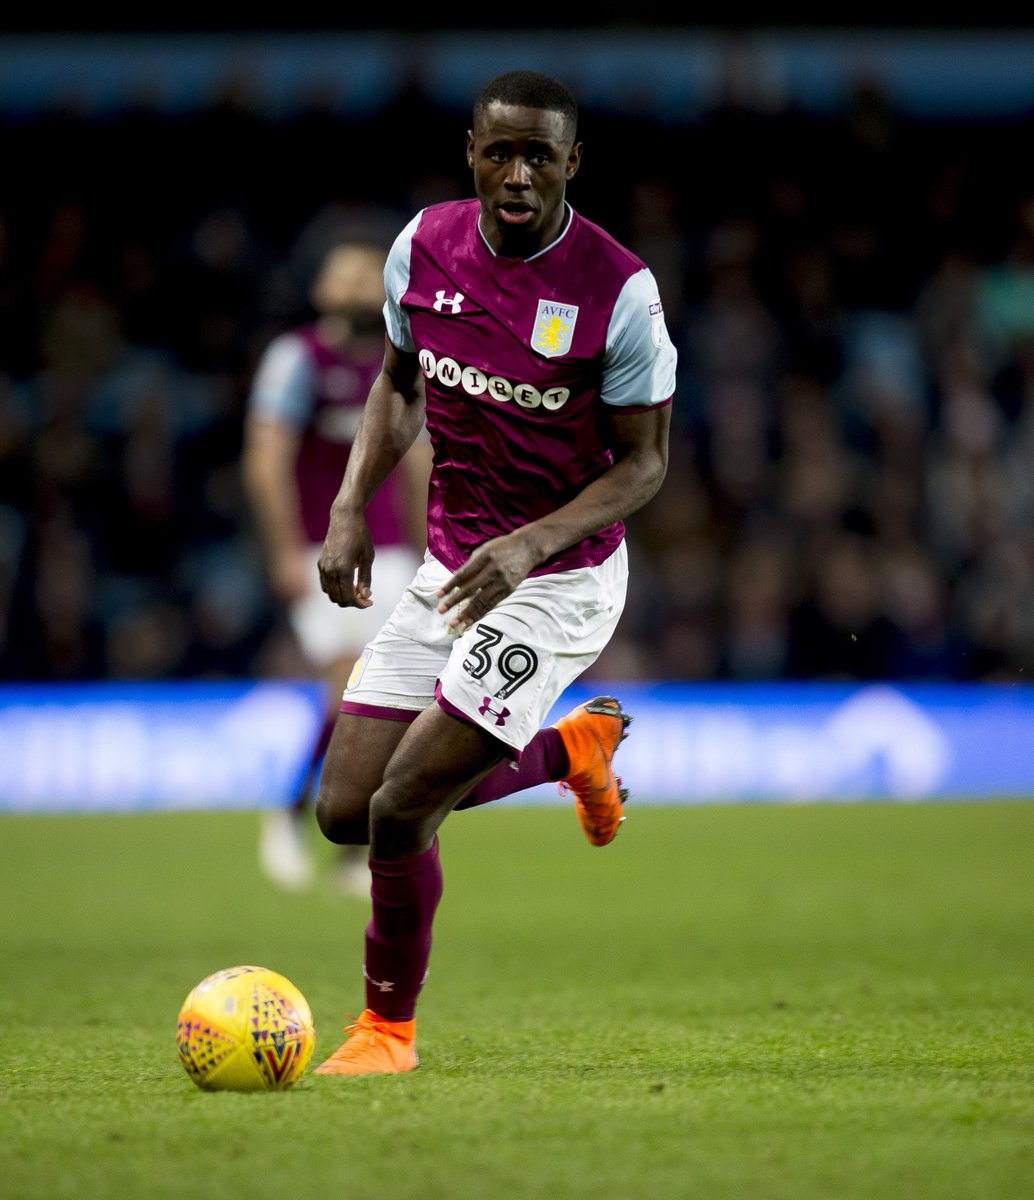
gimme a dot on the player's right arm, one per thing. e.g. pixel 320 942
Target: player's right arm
pixel 270 449
pixel 279 406
pixel 391 422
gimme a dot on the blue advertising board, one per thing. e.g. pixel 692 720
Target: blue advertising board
pixel 115 747
pixel 697 743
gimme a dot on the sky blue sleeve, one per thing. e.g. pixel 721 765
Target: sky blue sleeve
pixel 640 359
pixel 396 283
pixel 283 386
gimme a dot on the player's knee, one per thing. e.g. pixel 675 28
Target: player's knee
pixel 343 818
pixel 403 815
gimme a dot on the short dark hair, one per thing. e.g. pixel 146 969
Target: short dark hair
pixel 529 89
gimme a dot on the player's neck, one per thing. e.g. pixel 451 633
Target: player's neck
pixel 507 244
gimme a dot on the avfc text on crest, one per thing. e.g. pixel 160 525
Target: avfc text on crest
pixel 554 328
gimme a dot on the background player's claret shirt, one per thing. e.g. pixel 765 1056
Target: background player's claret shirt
pixel 321 390
pixel 519 357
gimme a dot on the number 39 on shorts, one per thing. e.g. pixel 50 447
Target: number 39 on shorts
pixel 516 664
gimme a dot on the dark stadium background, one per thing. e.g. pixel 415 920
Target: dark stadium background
pixel 762 988
pixel 851 287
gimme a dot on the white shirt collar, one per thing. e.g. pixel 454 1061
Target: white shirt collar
pixel 538 254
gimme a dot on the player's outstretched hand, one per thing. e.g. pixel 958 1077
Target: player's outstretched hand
pixel 488 576
pixel 346 562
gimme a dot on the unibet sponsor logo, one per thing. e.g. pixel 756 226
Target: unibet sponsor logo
pixel 475 382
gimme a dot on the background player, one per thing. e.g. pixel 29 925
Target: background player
pixel 535 348
pixel 303 412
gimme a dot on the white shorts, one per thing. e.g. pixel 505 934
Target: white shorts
pixel 328 633
pixel 507 670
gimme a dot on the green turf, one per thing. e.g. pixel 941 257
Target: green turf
pixel 821 1001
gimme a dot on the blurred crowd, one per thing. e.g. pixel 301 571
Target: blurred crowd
pixel 850 494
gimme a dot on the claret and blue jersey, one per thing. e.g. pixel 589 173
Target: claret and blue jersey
pixel 518 355
pixel 320 390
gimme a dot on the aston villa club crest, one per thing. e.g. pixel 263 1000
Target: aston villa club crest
pixel 554 328
pixel 358 669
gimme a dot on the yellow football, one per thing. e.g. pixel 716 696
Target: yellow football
pixel 245 1029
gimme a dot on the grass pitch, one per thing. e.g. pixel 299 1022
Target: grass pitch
pixel 822 1001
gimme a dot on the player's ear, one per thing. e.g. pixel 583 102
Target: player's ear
pixel 470 148
pixel 574 160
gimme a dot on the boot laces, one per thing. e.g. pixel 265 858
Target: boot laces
pixel 361 1034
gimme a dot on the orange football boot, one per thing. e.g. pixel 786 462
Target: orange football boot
pixel 374 1047
pixel 591 733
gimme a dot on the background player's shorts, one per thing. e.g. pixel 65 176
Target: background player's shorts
pixel 328 633
pixel 507 670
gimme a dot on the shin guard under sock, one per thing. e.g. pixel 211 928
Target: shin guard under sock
pixel 404 897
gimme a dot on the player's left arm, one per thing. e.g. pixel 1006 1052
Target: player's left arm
pixel 638 443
